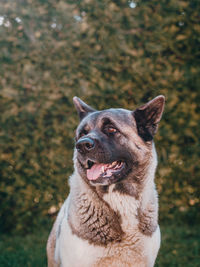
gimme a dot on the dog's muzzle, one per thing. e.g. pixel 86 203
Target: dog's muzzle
pixel 85 145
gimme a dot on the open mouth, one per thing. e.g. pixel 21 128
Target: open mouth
pixel 102 170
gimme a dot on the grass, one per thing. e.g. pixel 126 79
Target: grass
pixel 24 251
pixel 180 247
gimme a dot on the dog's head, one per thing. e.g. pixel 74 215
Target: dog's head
pixel 115 144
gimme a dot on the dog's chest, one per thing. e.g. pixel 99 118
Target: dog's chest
pixel 126 207
pixel 74 250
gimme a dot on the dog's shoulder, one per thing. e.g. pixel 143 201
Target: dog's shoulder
pixel 51 245
pixel 53 238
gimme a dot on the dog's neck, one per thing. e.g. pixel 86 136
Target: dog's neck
pixel 144 197
pixel 138 210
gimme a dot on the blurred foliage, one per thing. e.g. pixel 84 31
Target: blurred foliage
pixel 110 53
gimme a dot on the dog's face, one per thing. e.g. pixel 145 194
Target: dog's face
pixel 115 144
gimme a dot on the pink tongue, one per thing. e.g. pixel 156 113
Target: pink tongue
pixel 95 171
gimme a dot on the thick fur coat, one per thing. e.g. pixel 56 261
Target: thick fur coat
pixel 110 217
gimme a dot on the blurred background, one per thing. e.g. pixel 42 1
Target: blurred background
pixel 111 54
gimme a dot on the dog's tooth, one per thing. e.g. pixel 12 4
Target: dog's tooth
pixel 111 165
pixel 114 163
pixel 103 169
pixel 119 164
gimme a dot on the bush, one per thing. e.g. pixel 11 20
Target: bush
pixel 110 53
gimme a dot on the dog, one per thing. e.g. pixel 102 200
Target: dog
pixel 110 218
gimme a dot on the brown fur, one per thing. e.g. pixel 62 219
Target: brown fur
pixel 92 219
pixel 148 220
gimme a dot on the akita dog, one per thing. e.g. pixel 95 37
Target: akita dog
pixel 110 217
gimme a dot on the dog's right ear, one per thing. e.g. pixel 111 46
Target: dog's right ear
pixel 82 108
pixel 148 116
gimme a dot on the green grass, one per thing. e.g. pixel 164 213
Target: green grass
pixel 180 247
pixel 24 251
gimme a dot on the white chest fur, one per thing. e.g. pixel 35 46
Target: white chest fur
pixel 126 206
pixel 72 251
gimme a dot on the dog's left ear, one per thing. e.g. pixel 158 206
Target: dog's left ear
pixel 82 108
pixel 148 116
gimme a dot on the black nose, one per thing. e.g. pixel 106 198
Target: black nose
pixel 85 144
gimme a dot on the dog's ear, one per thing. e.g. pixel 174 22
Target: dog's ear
pixel 82 108
pixel 148 116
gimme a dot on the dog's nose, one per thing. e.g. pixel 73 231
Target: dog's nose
pixel 85 144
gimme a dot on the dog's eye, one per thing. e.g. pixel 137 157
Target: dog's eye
pixel 110 130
